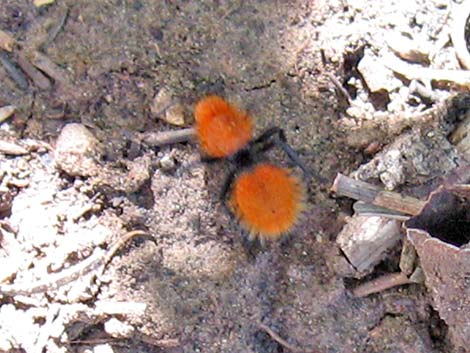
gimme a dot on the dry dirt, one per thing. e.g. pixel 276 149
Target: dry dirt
pixel 196 284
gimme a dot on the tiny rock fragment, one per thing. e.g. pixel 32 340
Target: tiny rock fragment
pixel 175 115
pixel 409 49
pixel 39 3
pixel 160 102
pixel 167 163
pixel 77 151
pixel 104 307
pixel 407 258
pixel 6 41
pixel 103 348
pixel 164 107
pixel 118 329
pixel 6 112
pixel 366 240
pixel 376 75
pixel 417 276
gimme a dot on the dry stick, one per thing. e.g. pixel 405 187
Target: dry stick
pixel 14 73
pixel 164 343
pixel 366 209
pixel 50 68
pixel 37 76
pixel 416 72
pixel 279 339
pixel 360 190
pixel 374 195
pixel 381 283
pixel 156 139
pixel 54 32
pixel 64 277
pixel 460 15
pixel 341 90
pixel 11 148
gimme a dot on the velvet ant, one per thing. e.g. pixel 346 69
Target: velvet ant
pixel 266 199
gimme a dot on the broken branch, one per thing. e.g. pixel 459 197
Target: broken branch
pixel 360 190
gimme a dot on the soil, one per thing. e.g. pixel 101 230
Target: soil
pixel 197 284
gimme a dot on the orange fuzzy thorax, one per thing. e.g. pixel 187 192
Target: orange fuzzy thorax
pixel 267 200
pixel 221 129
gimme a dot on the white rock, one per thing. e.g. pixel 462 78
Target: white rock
pixel 118 329
pixel 78 151
pixel 376 75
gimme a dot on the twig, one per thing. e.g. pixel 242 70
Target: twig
pixel 14 73
pixel 12 148
pixel 118 342
pixel 460 15
pixel 416 72
pixel 279 339
pixel 360 190
pixel 56 30
pixel 164 342
pixel 156 139
pixel 85 209
pixel 50 68
pixel 366 209
pixel 341 90
pixel 64 277
pixel 37 76
pixel 381 283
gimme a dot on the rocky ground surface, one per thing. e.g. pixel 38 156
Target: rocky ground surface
pixel 110 243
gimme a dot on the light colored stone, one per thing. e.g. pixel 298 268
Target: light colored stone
pixel 167 163
pixel 376 75
pixel 118 329
pixel 166 108
pixel 175 115
pixel 6 112
pixel 77 151
pixel 7 42
pixel 365 241
pixel 103 348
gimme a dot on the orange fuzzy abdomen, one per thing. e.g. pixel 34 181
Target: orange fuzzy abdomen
pixel 221 129
pixel 267 200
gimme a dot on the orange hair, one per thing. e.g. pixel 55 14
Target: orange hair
pixel 267 200
pixel 221 129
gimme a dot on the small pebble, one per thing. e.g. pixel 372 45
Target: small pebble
pixel 175 115
pixel 7 42
pixel 118 329
pixel 166 108
pixel 6 112
pixel 39 3
pixel 161 101
pixel 78 151
pixel 103 348
pixel 167 163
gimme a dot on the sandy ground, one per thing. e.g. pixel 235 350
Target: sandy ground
pixel 195 284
